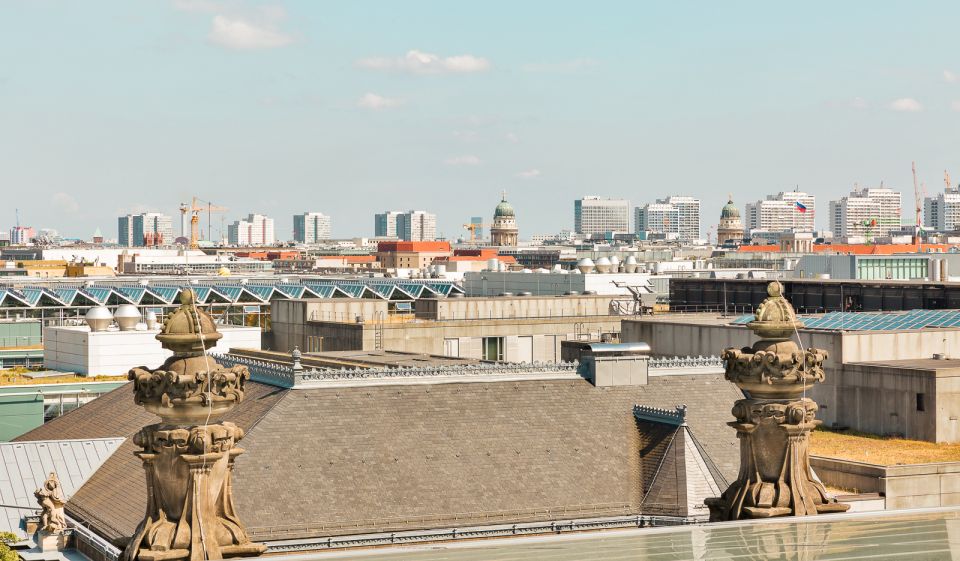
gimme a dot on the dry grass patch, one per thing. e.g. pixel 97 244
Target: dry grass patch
pixel 887 451
pixel 20 376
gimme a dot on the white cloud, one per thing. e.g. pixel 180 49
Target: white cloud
pixel 377 102
pixel 955 105
pixel 241 34
pixel 466 136
pixel 529 174
pixel 950 77
pixel 463 161
pixel 65 203
pixel 906 104
pixel 572 65
pixel 419 62
pixel 858 103
pixel 512 138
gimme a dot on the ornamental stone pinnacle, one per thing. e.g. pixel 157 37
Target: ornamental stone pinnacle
pixel 189 456
pixel 774 422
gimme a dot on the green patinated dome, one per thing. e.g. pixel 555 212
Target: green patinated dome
pixel 729 210
pixel 504 210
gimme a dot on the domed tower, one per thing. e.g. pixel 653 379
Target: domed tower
pixel 504 229
pixel 730 230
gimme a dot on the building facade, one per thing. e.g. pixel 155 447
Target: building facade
pixel 149 229
pixel 417 226
pixel 866 213
pixel 942 213
pixel 20 235
pixel 311 227
pixel 659 218
pixel 730 229
pixel 688 215
pixel 504 230
pixel 596 215
pixel 385 224
pixel 788 210
pixel 255 229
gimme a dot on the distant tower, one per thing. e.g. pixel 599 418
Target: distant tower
pixel 504 232
pixel 730 230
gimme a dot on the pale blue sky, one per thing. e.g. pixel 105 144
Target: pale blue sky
pixel 351 108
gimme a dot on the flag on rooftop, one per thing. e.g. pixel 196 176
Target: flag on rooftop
pixel 801 207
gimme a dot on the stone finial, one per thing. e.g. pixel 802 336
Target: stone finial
pixel 296 355
pixel 189 456
pixel 773 424
pixel 51 500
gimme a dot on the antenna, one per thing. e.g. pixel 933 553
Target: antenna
pixel 917 203
pixel 17 212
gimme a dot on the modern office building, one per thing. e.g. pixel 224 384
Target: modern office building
pixel 385 224
pixel 255 229
pixel 596 215
pixel 866 212
pixel 149 229
pixel 942 212
pixel 311 227
pixel 417 226
pixel 788 210
pixel 20 235
pixel 675 217
pixel 657 218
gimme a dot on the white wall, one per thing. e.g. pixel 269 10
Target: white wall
pixel 77 349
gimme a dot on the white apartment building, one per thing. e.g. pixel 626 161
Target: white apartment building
pixel 780 213
pixel 866 213
pixel 660 218
pixel 595 215
pixel 416 226
pixel 311 227
pixel 942 213
pixel 255 229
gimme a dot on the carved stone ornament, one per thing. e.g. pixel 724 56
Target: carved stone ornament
pixel 51 500
pixel 774 421
pixel 189 456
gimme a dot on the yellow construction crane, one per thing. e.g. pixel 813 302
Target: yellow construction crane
pixel 195 209
pixel 473 227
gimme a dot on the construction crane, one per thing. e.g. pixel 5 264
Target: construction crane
pixel 918 205
pixel 473 227
pixel 195 209
pixel 946 179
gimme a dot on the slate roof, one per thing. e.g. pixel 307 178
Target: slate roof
pixel 348 460
pixel 26 465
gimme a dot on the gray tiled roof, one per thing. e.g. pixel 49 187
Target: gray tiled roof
pixel 26 465
pixel 348 460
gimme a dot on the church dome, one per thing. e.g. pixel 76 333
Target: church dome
pixel 729 210
pixel 504 210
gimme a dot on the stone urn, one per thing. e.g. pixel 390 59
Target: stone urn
pixel 189 456
pixel 774 420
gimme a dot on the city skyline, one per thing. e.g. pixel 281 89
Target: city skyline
pixel 280 106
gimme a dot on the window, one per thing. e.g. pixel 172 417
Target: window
pixel 921 405
pixel 493 348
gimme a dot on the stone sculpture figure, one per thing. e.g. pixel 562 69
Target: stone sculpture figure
pixel 774 421
pixel 189 456
pixel 51 500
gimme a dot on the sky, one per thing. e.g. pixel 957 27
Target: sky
pixel 351 108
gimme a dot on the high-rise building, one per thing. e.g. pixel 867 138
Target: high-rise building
pixel 657 218
pixel 255 229
pixel 20 235
pixel 942 213
pixel 504 230
pixel 788 210
pixel 311 227
pixel 595 215
pixel 417 226
pixel 688 210
pixel 676 216
pixel 385 224
pixel 148 229
pixel 866 213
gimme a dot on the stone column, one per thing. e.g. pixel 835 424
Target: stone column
pixel 774 421
pixel 189 456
